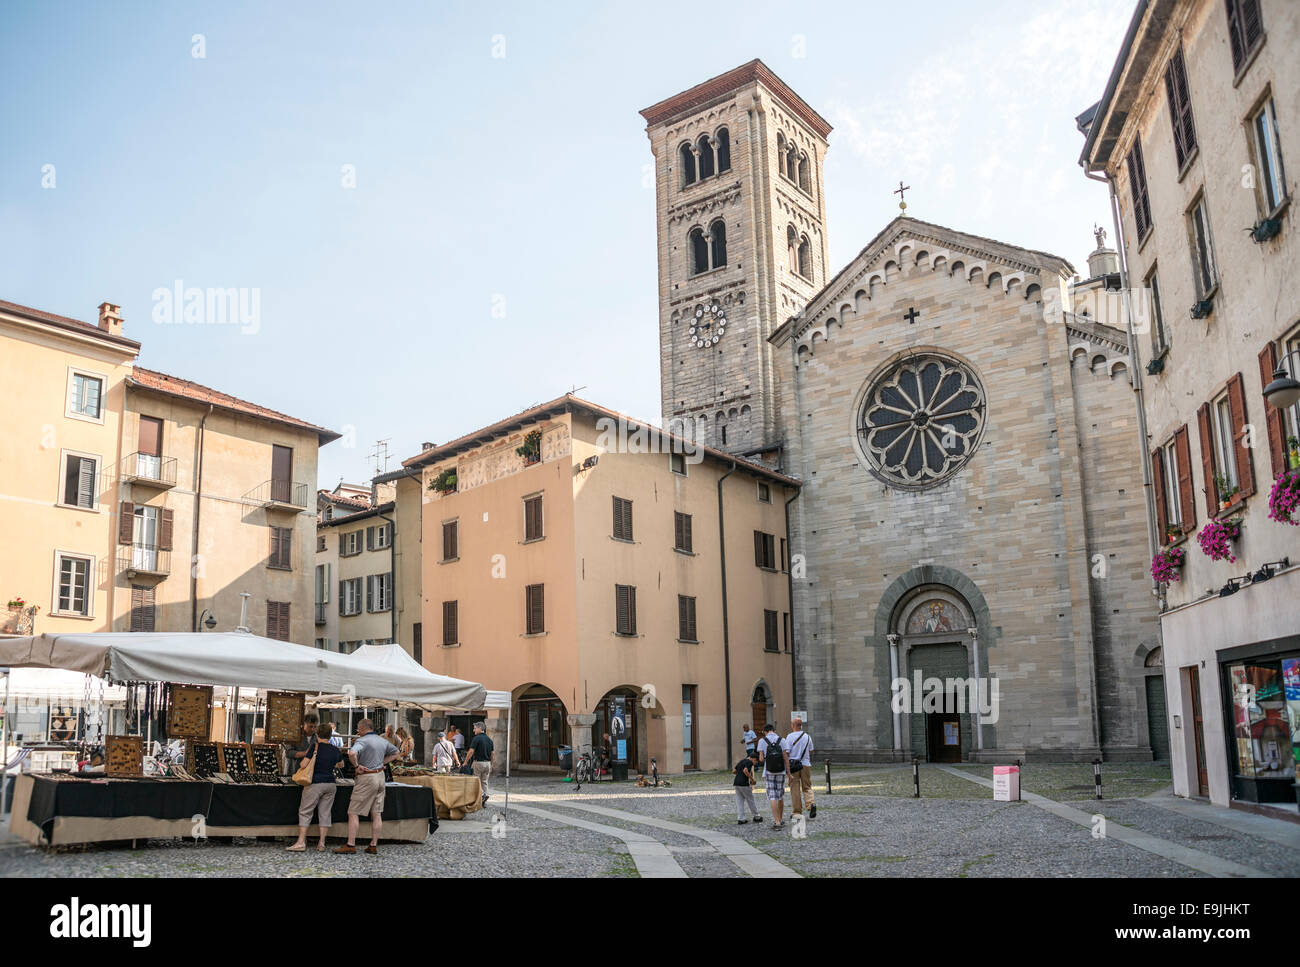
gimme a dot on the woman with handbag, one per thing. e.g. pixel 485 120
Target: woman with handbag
pixel 445 758
pixel 316 776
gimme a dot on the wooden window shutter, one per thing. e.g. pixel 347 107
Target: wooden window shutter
pixel 1180 107
pixel 1207 459
pixel 620 609
pixel 85 482
pixel 1162 510
pixel 166 521
pixel 679 538
pixel 1137 177
pixel 450 632
pixel 1186 493
pixel 137 607
pixel 342 598
pixel 342 546
pixel 758 548
pixel 370 538
pixel 536 607
pixel 1242 453
pixel 631 605
pixel 689 544
pixel 125 522
pixel 1274 426
pixel 681 618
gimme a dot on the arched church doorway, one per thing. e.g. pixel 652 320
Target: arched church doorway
pixel 933 637
pixel 760 707
pixel 1157 713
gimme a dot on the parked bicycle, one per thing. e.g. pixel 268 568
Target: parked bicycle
pixel 584 770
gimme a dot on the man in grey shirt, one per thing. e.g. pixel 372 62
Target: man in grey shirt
pixel 369 753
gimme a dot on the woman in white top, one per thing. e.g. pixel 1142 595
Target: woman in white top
pixel 444 754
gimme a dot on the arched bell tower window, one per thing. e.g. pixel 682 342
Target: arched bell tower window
pixel 792 249
pixel 718 244
pixel 805 258
pixel 699 251
pixel 705 147
pixel 723 140
pixel 688 164
pixel 780 153
pixel 792 163
pixel 803 173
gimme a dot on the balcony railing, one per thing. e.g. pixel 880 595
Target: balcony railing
pixel 280 494
pixel 147 469
pixel 144 559
pixel 320 613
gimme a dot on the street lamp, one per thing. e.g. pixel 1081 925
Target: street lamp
pixel 1284 391
pixel 209 622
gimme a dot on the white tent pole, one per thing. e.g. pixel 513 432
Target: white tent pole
pixel 509 715
pixel 4 746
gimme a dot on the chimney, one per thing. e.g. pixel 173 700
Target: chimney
pixel 110 318
pixel 427 446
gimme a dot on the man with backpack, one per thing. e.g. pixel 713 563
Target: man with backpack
pixel 775 754
pixel 801 748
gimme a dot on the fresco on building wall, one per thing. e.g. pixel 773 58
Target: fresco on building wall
pixel 934 617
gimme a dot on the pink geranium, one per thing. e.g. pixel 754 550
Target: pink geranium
pixel 1216 539
pixel 1285 497
pixel 1165 565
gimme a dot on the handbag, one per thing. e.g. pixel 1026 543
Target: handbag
pixel 303 776
pixel 796 766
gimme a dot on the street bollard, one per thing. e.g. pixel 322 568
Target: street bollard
pixel 916 778
pixel 828 777
pixel 1096 775
pixel 1021 784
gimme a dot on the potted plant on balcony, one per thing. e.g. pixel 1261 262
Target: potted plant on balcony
pixel 1216 539
pixel 1284 498
pixel 1165 566
pixel 445 482
pixel 1293 452
pixel 1173 532
pixel 531 450
pixel 1227 492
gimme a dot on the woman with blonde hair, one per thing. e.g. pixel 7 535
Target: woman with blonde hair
pixel 405 746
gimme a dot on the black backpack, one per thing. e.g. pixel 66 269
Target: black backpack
pixel 774 761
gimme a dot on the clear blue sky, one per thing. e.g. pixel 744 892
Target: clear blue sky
pixel 478 177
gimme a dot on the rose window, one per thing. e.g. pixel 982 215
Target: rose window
pixel 921 421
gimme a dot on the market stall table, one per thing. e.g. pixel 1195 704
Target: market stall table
pixel 454 795
pixel 64 810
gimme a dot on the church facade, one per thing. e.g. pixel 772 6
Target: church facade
pixel 968 546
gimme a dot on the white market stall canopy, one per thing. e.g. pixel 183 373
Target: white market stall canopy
pixel 241 660
pixel 57 687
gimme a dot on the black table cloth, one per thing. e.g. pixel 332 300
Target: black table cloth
pixel 221 804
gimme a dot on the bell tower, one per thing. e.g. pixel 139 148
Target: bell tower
pixel 741 217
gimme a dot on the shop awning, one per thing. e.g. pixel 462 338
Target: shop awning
pixel 241 660
pixel 54 686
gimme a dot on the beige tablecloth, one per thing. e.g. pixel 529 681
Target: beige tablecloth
pixel 454 796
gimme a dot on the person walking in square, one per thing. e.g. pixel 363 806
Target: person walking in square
pixel 369 753
pixel 318 798
pixel 479 757
pixel 749 737
pixel 743 783
pixel 800 744
pixel 775 755
pixel 445 758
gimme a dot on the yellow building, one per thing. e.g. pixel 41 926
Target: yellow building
pixel 605 562
pixel 131 500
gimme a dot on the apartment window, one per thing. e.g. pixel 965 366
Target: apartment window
pixel 1203 263
pixel 349 597
pixel 535 609
pixel 765 550
pixel 1137 182
pixel 1173 506
pixel 770 631
pixel 1159 334
pixel 1180 108
pixel 622 519
pixel 785 631
pixel 320 542
pixel 1291 348
pixel 451 622
pixel 533 529
pixel 682 540
pixel 764 493
pixel 677 463
pixel 379 593
pixel 142 607
pixel 277 620
pixel 350 544
pixel 323 644
pixel 625 609
pixel 281 548
pixel 1245 30
pixel 1224 453
pixel 686 618
pixel 377 537
pixel 1268 156
pixel 85 396
pixel 1171 466
pixel 785 557
pixel 80 473
pixel 72 584
pixel 322 585
pixel 450 540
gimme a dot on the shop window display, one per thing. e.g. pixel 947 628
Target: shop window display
pixel 1263 718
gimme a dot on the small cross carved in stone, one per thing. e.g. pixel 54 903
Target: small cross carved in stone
pixel 910 315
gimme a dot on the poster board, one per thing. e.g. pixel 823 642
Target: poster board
pixel 189 711
pixel 207 760
pixel 284 711
pixel 235 757
pixel 124 756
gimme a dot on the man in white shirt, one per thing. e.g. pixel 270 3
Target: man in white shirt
pixel 775 756
pixel 800 745
pixel 748 737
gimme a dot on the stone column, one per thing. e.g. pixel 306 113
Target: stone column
pixel 975 662
pixel 426 726
pixel 580 724
pixel 893 671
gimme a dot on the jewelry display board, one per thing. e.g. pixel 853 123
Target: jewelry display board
pixel 124 756
pixel 207 760
pixel 284 711
pixel 266 759
pixel 234 757
pixel 189 711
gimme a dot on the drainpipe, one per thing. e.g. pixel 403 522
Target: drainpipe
pixel 198 511
pixel 789 583
pixel 726 631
